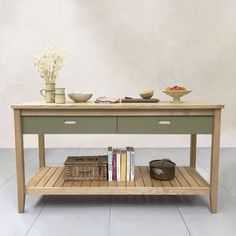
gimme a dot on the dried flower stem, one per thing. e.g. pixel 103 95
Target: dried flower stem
pixel 49 63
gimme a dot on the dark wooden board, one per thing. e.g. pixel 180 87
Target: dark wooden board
pixel 139 100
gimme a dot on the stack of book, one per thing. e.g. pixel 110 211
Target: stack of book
pixel 121 164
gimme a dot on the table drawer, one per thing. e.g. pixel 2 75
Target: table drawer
pixel 69 125
pixel 165 125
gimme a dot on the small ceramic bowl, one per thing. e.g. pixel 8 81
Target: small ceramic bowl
pixel 80 97
pixel 147 94
pixel 176 95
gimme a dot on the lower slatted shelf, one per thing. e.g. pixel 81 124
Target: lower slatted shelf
pixel 50 181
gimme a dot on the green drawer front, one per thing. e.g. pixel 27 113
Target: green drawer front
pixel 165 125
pixel 69 125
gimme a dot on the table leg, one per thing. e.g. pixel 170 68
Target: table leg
pixel 193 150
pixel 41 150
pixel 20 167
pixel 215 148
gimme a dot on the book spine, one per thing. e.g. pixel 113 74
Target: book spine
pixel 110 159
pixel 123 166
pixel 132 164
pixel 118 165
pixel 114 167
pixel 128 164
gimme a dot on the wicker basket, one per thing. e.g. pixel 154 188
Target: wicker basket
pixel 86 168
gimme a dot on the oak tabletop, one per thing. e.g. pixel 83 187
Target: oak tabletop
pixel 116 106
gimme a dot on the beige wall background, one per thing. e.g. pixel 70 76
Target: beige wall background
pixel 117 48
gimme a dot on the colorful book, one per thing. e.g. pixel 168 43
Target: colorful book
pixel 128 166
pixel 110 159
pixel 132 163
pixel 123 166
pixel 114 166
pixel 118 165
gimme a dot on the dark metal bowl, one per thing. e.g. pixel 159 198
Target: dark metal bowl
pixel 162 169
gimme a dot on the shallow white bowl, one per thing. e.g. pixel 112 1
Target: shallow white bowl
pixel 80 97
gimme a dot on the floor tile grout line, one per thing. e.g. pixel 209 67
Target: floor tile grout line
pixel 40 211
pixel 11 177
pixel 221 184
pixel 14 173
pixel 109 217
pixel 182 217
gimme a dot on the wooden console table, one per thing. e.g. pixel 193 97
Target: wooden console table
pixel 89 118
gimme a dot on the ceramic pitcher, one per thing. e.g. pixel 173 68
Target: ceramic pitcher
pixel 48 92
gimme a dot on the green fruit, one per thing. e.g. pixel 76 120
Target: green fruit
pixel 147 94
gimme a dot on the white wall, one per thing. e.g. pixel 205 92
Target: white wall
pixel 118 48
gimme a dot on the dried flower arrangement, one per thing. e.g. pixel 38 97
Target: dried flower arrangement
pixel 49 63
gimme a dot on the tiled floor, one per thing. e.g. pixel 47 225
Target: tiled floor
pixel 119 215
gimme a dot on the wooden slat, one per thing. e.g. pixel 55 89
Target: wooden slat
pixel 54 177
pixel 112 184
pixel 155 182
pixel 76 183
pixel 180 178
pixel 103 183
pixel 166 183
pixel 121 184
pixel 197 177
pixel 138 177
pixel 37 177
pixel 46 177
pixel 60 181
pixel 188 177
pixel 174 182
pixel 130 184
pixel 85 183
pixel 68 183
pixel 146 176
pixel 94 184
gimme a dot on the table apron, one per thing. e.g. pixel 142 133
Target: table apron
pixel 117 124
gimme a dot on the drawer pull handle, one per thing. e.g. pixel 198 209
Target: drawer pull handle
pixel 164 122
pixel 69 122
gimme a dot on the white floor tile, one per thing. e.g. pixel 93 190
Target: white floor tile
pixel 13 223
pixel 145 215
pixel 200 221
pixel 8 163
pixel 73 215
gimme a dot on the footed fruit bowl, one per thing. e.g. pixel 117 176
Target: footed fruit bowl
pixel 176 92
